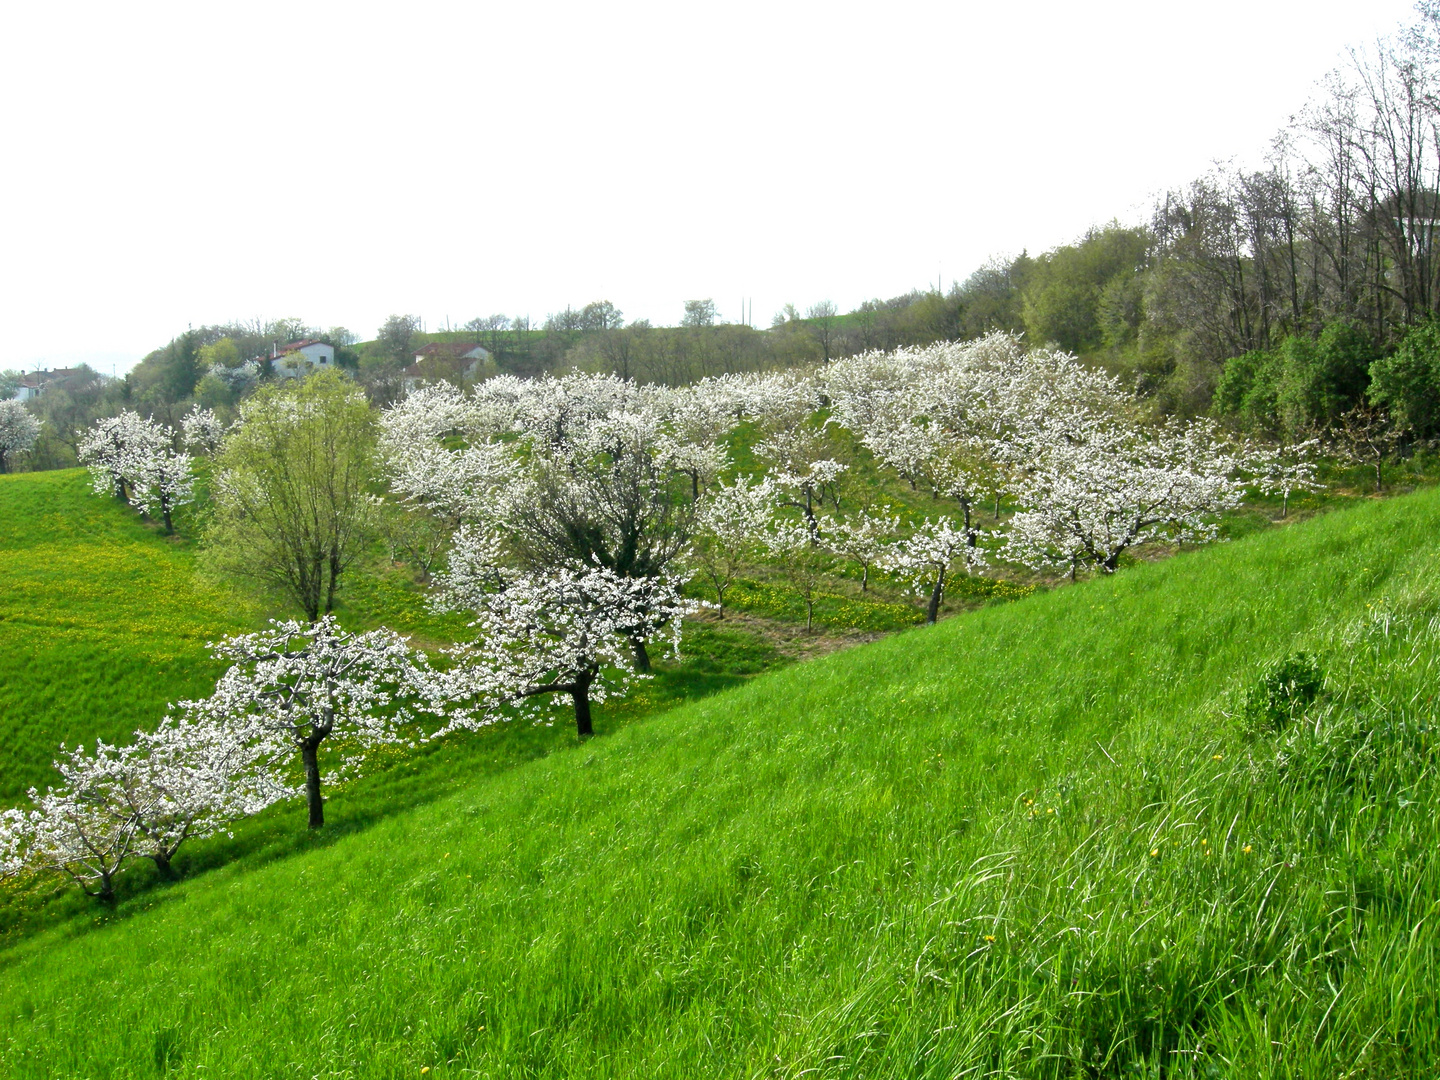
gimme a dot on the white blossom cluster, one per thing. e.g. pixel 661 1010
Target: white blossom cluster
pixel 134 458
pixel 186 779
pixel 978 420
pixel 972 424
pixel 203 430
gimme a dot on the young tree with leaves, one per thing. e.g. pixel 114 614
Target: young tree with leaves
pixel 291 505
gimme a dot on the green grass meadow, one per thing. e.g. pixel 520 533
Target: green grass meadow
pixel 1043 839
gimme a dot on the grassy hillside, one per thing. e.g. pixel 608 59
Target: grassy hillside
pixel 1034 840
pixel 101 622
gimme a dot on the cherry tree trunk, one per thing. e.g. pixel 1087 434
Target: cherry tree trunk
pixel 642 654
pixel 580 694
pixel 309 753
pixel 932 613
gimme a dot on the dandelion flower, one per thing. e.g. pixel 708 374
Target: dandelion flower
pixel 1218 757
pixel 1246 849
pixel 989 937
pixel 1050 811
pixel 1154 853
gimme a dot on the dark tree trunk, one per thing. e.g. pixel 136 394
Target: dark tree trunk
pixel 642 654
pixel 932 612
pixel 334 580
pixel 969 530
pixel 165 513
pixel 580 694
pixel 161 859
pixel 309 753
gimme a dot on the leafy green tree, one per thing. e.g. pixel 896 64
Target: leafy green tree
pixel 397 338
pixel 1247 389
pixel 291 508
pixel 1319 380
pixel 699 313
pixel 1407 383
pixel 224 353
pixel 1061 301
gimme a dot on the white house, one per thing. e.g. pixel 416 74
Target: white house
pixel 35 383
pixel 452 360
pixel 300 358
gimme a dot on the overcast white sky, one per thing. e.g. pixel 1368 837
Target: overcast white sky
pixel 169 165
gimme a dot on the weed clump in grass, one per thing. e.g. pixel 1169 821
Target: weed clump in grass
pixel 1284 691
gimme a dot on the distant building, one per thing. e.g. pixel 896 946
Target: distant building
pixel 300 358
pixel 453 360
pixel 35 383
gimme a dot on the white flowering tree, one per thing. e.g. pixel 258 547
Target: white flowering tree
pixel 203 431
pixel 802 559
pixel 115 449
pixel 191 778
pixel 14 842
pixel 929 555
pixel 1284 470
pixel 18 432
pixel 296 685
pixel 731 531
pixel 566 632
pixel 187 779
pixel 1091 498
pixel 863 538
pixel 161 482
pixel 75 835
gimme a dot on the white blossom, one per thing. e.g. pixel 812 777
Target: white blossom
pixel 864 539
pixel 203 430
pixel 115 449
pixel 161 483
pixel 928 555
pixel 18 431
pixel 569 631
pixel 295 685
pixel 1091 497
pixel 731 530
pixel 1284 470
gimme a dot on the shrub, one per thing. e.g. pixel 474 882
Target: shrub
pixel 1285 690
